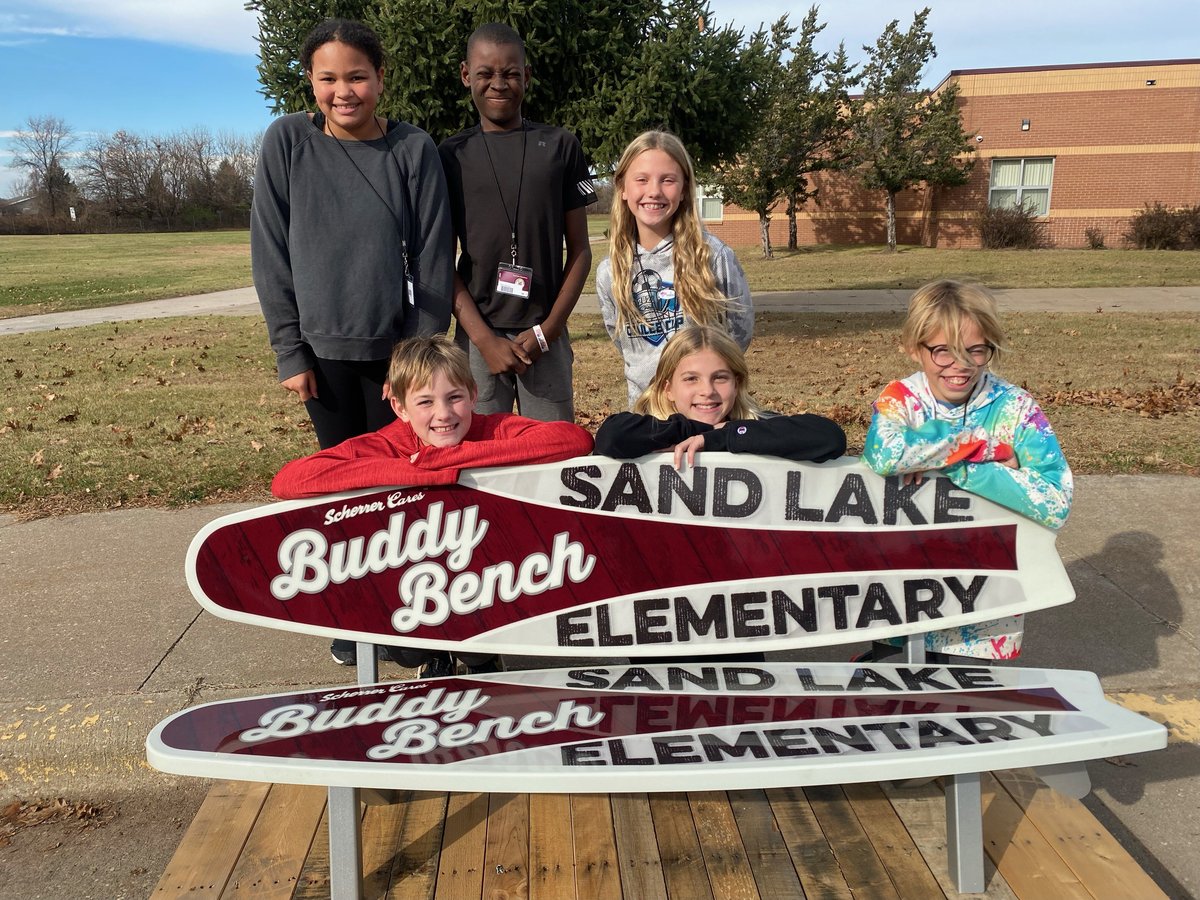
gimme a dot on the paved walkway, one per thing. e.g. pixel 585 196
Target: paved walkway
pixel 243 302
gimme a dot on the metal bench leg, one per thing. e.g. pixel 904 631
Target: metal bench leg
pixel 964 832
pixel 368 663
pixel 1071 779
pixel 345 844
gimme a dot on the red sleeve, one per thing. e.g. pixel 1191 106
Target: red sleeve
pixel 369 460
pixel 384 457
pixel 502 439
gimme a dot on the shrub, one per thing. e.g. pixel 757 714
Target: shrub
pixel 1154 228
pixel 1016 227
pixel 1189 228
pixel 1095 238
pixel 1158 228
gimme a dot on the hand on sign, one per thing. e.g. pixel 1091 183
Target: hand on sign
pixel 688 449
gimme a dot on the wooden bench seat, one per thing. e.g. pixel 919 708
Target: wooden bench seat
pixel 861 841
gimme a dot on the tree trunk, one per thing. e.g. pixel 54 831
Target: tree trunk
pixel 764 233
pixel 891 222
pixel 793 243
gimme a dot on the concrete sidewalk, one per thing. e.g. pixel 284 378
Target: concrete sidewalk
pixel 244 302
pixel 101 640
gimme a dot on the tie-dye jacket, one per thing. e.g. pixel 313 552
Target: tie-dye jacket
pixel 912 431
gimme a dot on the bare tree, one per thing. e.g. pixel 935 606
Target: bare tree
pixel 41 148
pixel 117 174
pixel 185 178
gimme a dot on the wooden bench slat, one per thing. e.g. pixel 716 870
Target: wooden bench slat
pixel 1094 855
pixel 860 864
pixel 729 870
pixel 637 847
pixel 1029 863
pixel 766 851
pixel 506 847
pixel 414 866
pixel 551 850
pixel 679 847
pixel 895 847
pixel 923 812
pixel 313 883
pixel 811 854
pixel 460 866
pixel 597 865
pixel 380 828
pixel 274 854
pixel 210 848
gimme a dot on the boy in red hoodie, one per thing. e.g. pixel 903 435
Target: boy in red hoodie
pixel 437 435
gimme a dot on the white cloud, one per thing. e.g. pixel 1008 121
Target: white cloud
pixel 221 25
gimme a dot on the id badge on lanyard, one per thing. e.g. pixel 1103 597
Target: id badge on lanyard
pixel 514 280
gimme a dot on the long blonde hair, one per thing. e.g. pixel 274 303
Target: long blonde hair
pixel 695 285
pixel 687 341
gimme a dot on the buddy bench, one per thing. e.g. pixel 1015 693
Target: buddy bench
pixel 606 560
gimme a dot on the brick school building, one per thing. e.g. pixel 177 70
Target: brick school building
pixel 1087 145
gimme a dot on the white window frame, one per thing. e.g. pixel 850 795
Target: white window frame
pixel 703 194
pixel 1020 187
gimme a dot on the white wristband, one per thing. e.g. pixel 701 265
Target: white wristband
pixel 541 338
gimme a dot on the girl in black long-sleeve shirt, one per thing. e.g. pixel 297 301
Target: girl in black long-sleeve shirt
pixel 699 400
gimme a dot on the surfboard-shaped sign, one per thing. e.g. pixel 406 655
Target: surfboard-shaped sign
pixel 600 557
pixel 661 727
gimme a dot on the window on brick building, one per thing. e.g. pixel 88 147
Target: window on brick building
pixel 709 204
pixel 1022 182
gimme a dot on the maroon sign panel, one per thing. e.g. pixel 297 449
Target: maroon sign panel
pixel 620 722
pixel 445 566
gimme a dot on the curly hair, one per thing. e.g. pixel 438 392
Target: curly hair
pixel 345 31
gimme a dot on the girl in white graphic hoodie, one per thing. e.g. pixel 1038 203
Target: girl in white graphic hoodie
pixel 663 271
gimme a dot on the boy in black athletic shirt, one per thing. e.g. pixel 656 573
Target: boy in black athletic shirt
pixel 517 191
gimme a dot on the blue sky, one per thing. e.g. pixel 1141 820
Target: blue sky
pixel 163 67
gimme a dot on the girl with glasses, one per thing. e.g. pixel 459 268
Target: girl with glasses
pixel 956 417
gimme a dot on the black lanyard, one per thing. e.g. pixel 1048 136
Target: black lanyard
pixel 374 190
pixel 512 220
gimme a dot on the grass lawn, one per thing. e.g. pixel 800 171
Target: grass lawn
pixel 41 274
pixel 597 225
pixel 829 268
pixel 168 412
pixel 54 273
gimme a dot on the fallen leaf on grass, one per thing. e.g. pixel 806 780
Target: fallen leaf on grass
pixel 1152 403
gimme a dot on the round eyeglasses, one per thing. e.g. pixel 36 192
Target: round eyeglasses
pixel 943 357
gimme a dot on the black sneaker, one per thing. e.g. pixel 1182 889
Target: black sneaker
pixel 438 666
pixel 495 664
pixel 343 652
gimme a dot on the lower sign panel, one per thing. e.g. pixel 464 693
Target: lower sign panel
pixel 657 727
